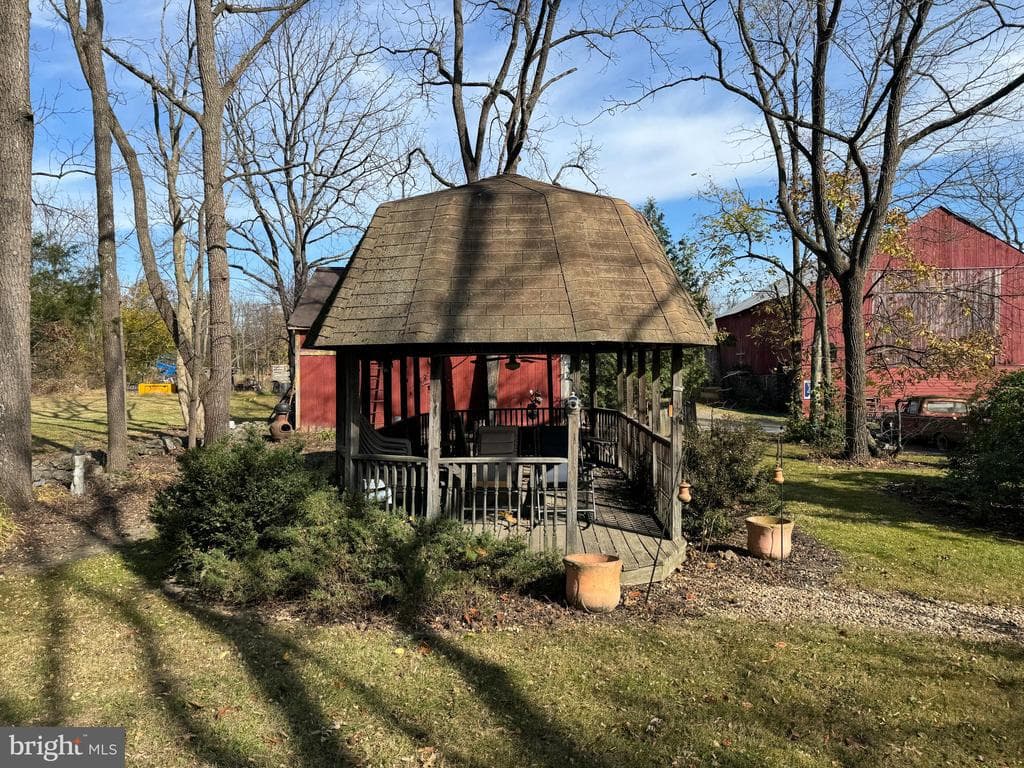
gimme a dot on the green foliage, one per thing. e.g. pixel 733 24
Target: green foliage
pixel 723 462
pixel 233 496
pixel 248 524
pixel 145 339
pixel 825 434
pixel 988 472
pixel 64 317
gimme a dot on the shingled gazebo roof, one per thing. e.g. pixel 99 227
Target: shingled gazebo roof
pixel 509 260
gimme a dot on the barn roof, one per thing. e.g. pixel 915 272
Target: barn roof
pixel 318 290
pixel 509 260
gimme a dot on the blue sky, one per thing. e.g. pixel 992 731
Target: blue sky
pixel 669 148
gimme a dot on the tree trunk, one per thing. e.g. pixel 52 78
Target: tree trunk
pixel 796 330
pixel 16 134
pixel 217 397
pixel 851 285
pixel 110 285
pixel 820 363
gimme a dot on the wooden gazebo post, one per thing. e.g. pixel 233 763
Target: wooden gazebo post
pixel 656 390
pixel 641 386
pixel 572 526
pixel 676 519
pixel 434 438
pixel 346 421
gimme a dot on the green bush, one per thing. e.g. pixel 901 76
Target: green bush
pixel 727 475
pixel 248 524
pixel 233 496
pixel 987 471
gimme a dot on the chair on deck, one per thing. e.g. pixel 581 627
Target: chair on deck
pixel 554 442
pixel 501 443
pixel 503 483
pixel 372 441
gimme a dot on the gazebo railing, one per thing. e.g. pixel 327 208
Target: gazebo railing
pixel 394 482
pixel 514 495
pixel 525 495
pixel 642 454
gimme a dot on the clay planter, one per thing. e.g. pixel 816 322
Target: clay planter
pixel 769 537
pixel 592 582
pixel 280 429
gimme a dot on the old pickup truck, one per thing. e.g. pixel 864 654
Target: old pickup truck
pixel 935 419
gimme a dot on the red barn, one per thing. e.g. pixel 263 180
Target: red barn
pixel 972 287
pixel 384 396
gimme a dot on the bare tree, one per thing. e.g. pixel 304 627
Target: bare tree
pixel 88 42
pixel 16 134
pixel 882 79
pixel 315 133
pixel 218 79
pixel 532 35
pixel 985 183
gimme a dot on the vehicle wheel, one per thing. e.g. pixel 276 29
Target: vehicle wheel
pixel 942 443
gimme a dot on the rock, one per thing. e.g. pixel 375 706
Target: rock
pixel 171 443
pixel 728 555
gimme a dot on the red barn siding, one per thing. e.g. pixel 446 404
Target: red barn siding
pixel 464 381
pixel 942 240
pixel 746 347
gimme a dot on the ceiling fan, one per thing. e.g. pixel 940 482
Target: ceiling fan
pixel 513 361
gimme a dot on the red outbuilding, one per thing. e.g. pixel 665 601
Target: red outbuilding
pixel 970 286
pixel 386 396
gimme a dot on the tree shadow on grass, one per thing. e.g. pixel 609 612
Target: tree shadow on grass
pixel 860 496
pixel 270 656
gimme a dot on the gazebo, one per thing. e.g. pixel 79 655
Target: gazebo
pixel 511 269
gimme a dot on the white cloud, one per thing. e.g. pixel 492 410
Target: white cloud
pixel 671 153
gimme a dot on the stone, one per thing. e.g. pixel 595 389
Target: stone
pixel 171 443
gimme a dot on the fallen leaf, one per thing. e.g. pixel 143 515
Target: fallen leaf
pixel 781 644
pixel 423 649
pixel 223 712
pixel 399 651
pixel 746 705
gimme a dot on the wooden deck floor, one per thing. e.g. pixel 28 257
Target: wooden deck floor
pixel 615 528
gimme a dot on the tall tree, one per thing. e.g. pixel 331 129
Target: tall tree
pixel 315 132
pixel 16 135
pixel 88 42
pixel 218 77
pixel 495 114
pixel 881 79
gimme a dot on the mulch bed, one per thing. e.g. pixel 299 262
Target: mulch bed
pixel 61 528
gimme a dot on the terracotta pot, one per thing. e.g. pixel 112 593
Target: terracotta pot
pixel 592 581
pixel 280 429
pixel 770 537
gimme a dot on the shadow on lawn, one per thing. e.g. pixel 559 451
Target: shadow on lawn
pixel 272 659
pixel 860 496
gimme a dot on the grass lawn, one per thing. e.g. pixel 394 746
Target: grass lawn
pixel 98 643
pixel 60 421
pixel 891 543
